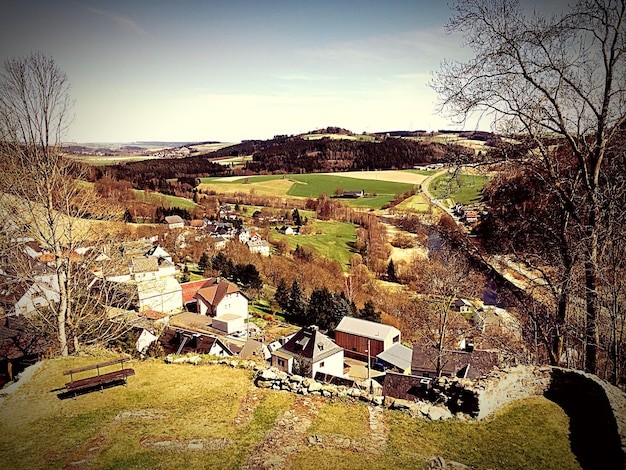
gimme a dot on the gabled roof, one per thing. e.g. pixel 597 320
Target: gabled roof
pixel 254 348
pixel 366 328
pixel 470 364
pixel 215 293
pixel 174 219
pixel 398 356
pixel 310 344
pixel 157 251
pixel 190 288
pixel 171 339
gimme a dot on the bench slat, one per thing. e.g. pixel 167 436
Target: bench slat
pixel 96 366
pixel 99 379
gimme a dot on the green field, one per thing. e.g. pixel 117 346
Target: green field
pixel 163 200
pixel 332 240
pixel 312 185
pixel 165 410
pixel 466 189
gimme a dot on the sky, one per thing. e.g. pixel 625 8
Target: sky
pixel 191 71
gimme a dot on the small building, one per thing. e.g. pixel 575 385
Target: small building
pixel 174 221
pixel 254 348
pixel 178 341
pixel 309 352
pixel 228 323
pixel 462 306
pixel 163 295
pixel 397 358
pixel 467 363
pixel 259 246
pixel 363 338
pixel 220 297
pixel 354 194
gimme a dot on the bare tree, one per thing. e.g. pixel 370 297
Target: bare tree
pixel 546 77
pixel 44 195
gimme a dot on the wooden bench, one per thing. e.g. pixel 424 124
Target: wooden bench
pixel 100 379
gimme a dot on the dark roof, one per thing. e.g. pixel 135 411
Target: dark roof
pixel 310 344
pixel 470 364
pixel 18 339
pixel 199 343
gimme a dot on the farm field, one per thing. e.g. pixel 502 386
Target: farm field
pixel 98 160
pixel 212 416
pixel 382 183
pixel 332 240
pixel 466 188
pixel 164 200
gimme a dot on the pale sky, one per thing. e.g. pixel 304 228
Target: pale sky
pixel 231 70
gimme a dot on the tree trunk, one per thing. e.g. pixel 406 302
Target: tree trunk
pixel 592 338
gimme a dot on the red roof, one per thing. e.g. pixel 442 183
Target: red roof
pixel 190 288
pixel 152 314
pixel 215 293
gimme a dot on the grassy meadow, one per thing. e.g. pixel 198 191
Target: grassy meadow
pixel 330 239
pixel 310 186
pixel 165 410
pixel 466 189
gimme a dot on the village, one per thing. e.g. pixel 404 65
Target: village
pixel 147 294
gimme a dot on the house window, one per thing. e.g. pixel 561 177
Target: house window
pixel 321 364
pixel 396 339
pixel 281 363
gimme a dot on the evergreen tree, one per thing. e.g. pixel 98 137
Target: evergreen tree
pixel 282 295
pixel 297 306
pixel 295 215
pixel 391 271
pixel 128 216
pixel 368 312
pixel 204 262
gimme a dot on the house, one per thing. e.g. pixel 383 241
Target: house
pixel 254 348
pixel 174 221
pixel 462 306
pixel 397 358
pixel 220 242
pixel 20 347
pixel 43 291
pixel 471 217
pixel 285 230
pixel 180 341
pixel 219 297
pixel 309 352
pixel 353 194
pixel 196 224
pixel 158 252
pixel 467 363
pixel 359 336
pixel 259 246
pixel 163 295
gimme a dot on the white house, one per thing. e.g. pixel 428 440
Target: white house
pixel 42 292
pixel 309 352
pixel 259 246
pixel 158 252
pixel 163 295
pixel 174 221
pixel 221 297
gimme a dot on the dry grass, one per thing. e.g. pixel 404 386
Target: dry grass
pixel 180 404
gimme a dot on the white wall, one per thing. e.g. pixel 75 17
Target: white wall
pixel 333 365
pixel 232 303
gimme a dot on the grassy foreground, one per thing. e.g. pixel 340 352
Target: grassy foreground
pixel 125 427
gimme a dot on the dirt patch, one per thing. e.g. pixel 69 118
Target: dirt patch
pixel 189 445
pixel 287 435
pixel 246 408
pixel 384 175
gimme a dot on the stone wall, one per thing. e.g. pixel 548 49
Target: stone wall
pixel 597 410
